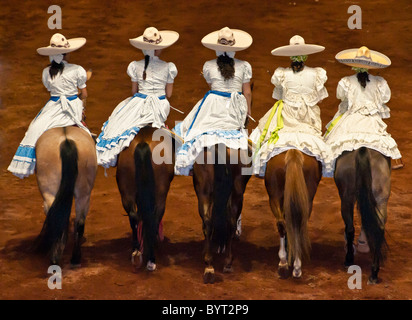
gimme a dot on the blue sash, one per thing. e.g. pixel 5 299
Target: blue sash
pixel 144 96
pixel 57 98
pixel 219 93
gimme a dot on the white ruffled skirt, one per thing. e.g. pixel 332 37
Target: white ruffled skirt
pixel 355 130
pixel 295 134
pixel 125 122
pixel 216 119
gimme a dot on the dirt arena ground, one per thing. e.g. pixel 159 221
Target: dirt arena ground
pixel 106 272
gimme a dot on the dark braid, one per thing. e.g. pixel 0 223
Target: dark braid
pixel 56 68
pixel 363 77
pixel 226 66
pixel 146 63
pixel 297 66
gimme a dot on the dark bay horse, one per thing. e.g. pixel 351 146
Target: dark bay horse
pixel 291 180
pixel 66 168
pixel 144 172
pixel 220 183
pixel 363 177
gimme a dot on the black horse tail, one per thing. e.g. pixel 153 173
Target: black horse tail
pixel 296 206
pixel 145 197
pixel 221 192
pixel 58 216
pixel 367 206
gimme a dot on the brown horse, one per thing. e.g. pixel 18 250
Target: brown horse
pixel 144 172
pixel 364 176
pixel 66 167
pixel 220 182
pixel 291 180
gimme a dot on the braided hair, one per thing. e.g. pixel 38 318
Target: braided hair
pixel 146 63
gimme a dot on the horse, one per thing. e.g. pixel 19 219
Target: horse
pixel 66 168
pixel 363 176
pixel 219 184
pixel 144 179
pixel 291 180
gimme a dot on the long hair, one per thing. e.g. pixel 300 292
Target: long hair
pixel 363 78
pixel 56 68
pixel 146 63
pixel 226 66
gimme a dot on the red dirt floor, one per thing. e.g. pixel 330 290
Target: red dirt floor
pixel 106 271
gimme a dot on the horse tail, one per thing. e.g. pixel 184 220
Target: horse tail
pixel 145 197
pixel 296 206
pixel 58 216
pixel 367 205
pixel 221 192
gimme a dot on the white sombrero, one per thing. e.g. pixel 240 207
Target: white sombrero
pixel 227 40
pixel 153 39
pixel 363 58
pixel 59 45
pixel 297 47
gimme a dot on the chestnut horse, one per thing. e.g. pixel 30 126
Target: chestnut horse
pixel 144 172
pixel 220 182
pixel 364 176
pixel 291 180
pixel 66 167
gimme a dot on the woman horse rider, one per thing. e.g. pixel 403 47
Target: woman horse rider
pixel 65 107
pixel 358 121
pixel 152 83
pixel 294 121
pixel 219 118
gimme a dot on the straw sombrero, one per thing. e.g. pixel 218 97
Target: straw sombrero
pixel 153 39
pixel 363 58
pixel 297 47
pixel 227 40
pixel 59 45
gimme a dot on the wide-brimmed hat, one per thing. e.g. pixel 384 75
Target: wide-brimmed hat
pixel 59 45
pixel 227 40
pixel 297 47
pixel 153 39
pixel 363 58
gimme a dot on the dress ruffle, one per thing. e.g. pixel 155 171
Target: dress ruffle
pixel 310 144
pixel 190 150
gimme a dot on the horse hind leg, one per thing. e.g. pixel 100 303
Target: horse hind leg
pixel 82 208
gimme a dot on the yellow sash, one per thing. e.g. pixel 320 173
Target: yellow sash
pixel 333 123
pixel 278 106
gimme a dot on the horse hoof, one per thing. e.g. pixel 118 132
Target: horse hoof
pixel 363 247
pixel 283 271
pixel 151 266
pixel 75 265
pixel 297 273
pixel 373 280
pixel 227 269
pixel 137 259
pixel 209 275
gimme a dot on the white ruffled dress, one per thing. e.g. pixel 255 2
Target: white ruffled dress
pixel 63 109
pixel 358 122
pixel 147 107
pixel 300 92
pixel 218 118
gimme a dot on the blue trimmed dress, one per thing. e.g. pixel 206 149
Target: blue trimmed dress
pixel 358 121
pixel 63 109
pixel 147 107
pixel 218 118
